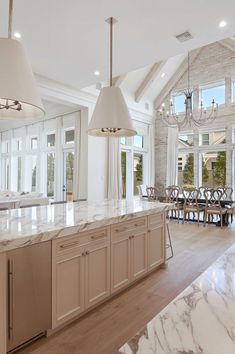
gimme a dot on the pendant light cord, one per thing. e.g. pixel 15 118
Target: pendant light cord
pixel 10 19
pixel 188 73
pixel 111 51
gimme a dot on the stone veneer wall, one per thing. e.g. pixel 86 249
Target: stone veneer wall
pixel 213 64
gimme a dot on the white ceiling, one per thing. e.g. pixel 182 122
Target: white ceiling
pixel 68 40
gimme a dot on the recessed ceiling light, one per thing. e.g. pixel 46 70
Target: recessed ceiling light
pixel 163 74
pixel 96 73
pixel 17 35
pixel 222 24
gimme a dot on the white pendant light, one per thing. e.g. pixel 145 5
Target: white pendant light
pixel 111 116
pixel 19 97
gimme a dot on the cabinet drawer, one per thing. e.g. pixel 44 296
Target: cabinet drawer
pixel 129 226
pixel 71 243
pixel 155 220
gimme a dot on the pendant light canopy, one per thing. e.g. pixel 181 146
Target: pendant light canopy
pixel 19 97
pixel 111 116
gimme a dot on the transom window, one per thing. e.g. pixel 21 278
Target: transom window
pixel 50 139
pixel 216 92
pixel 179 103
pixel 212 138
pixel 34 143
pixel 69 136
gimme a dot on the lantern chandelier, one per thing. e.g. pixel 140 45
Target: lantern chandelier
pixel 189 118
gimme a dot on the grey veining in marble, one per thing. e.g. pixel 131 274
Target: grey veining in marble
pixel 201 320
pixel 20 227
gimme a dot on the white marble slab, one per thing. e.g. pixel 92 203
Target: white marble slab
pixel 22 227
pixel 201 320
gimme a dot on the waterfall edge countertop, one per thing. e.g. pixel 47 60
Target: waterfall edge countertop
pixel 201 320
pixel 22 227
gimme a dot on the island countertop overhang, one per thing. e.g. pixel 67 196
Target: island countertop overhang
pixel 22 227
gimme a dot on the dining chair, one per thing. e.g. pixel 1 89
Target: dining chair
pixel 191 204
pixel 213 205
pixel 151 193
pixel 172 195
pixel 228 196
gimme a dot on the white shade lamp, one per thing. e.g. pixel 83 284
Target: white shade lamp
pixel 111 116
pixel 19 96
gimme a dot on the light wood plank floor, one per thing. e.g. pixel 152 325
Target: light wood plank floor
pixel 107 327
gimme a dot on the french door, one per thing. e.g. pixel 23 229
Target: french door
pixel 68 168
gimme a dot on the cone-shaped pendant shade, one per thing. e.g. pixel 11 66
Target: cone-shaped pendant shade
pixel 111 116
pixel 17 83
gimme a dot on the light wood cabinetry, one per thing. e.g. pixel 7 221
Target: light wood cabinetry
pixel 139 261
pixel 121 264
pixel 156 240
pixel 80 274
pixel 129 252
pixel 3 303
pixel 97 276
pixel 68 285
pixel 89 267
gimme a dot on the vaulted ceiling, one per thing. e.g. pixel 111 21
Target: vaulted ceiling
pixel 68 40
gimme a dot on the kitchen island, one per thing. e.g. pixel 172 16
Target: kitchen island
pixel 97 250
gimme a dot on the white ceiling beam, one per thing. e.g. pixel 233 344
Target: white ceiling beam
pixel 228 43
pixel 148 80
pixel 119 80
pixel 175 78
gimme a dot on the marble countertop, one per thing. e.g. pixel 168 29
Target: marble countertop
pixel 201 320
pixel 21 227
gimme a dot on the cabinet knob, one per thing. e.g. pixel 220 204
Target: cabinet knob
pixel 87 252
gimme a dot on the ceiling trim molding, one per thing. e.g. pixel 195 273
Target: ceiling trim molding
pixel 148 80
pixel 175 78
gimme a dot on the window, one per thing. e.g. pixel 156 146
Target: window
pixel 17 145
pixel 34 143
pixel 19 173
pixel 34 172
pixel 185 140
pixel 50 174
pixel 69 136
pixel 123 140
pixel 233 91
pixel 123 165
pixel 50 140
pixel 5 173
pixel 5 147
pixel 213 138
pixel 134 161
pixel 208 93
pixel 179 103
pixel 139 141
pixel 138 171
pixel 185 169
pixel 205 139
pixel 213 169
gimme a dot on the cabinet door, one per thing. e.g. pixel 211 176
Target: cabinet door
pixel 97 274
pixel 156 244
pixel 68 286
pixel 120 267
pixel 139 262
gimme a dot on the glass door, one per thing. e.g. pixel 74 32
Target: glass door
pixel 68 176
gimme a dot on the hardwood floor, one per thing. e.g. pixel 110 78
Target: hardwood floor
pixel 110 325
